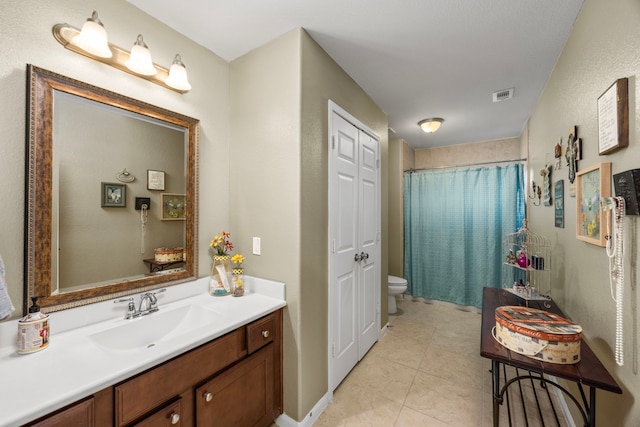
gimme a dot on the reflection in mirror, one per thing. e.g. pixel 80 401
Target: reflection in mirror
pixel 86 241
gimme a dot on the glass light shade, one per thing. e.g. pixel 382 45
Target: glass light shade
pixel 93 38
pixel 178 78
pixel 430 125
pixel 140 59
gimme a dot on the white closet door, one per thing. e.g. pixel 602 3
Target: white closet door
pixel 354 231
pixel 344 304
pixel 368 288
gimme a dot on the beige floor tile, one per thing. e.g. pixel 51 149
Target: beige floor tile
pixel 447 401
pixel 397 349
pixel 452 366
pixel 410 418
pixel 375 375
pixel 353 408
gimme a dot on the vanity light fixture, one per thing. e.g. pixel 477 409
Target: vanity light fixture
pixel 178 75
pixel 430 125
pixel 93 38
pixel 74 40
pixel 140 58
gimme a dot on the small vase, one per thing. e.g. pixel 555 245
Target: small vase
pixel 220 281
pixel 238 282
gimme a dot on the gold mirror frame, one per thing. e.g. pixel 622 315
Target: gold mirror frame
pixel 42 85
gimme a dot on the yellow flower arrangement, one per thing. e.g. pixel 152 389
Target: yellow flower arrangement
pixel 220 244
pixel 237 259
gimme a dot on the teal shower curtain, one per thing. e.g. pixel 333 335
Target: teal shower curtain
pixel 454 224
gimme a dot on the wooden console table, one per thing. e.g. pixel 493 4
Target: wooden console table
pixel 589 372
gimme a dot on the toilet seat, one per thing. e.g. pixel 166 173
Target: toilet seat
pixel 395 280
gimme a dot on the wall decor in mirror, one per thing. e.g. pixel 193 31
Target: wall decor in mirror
pixel 78 249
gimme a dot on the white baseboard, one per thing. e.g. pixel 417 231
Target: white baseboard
pixel 563 403
pixel 383 331
pixel 285 421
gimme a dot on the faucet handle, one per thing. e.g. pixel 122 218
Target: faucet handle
pixel 131 307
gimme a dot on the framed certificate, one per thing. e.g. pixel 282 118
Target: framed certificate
pixel 613 117
pixel 155 180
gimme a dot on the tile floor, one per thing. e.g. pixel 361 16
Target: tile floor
pixel 426 371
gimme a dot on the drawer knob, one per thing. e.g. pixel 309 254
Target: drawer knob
pixel 265 334
pixel 175 418
pixel 208 397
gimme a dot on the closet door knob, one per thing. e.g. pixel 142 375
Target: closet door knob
pixel 357 257
pixel 208 397
pixel 364 255
pixel 174 418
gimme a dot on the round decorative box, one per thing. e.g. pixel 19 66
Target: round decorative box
pixel 538 334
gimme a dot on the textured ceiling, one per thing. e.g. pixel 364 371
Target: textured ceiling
pixel 415 58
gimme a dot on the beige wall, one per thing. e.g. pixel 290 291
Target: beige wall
pixel 265 181
pixel 408 157
pixel 279 152
pixel 465 154
pixel 603 46
pixel 25 37
pixel 396 207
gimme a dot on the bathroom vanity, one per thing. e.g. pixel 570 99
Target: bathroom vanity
pixel 221 360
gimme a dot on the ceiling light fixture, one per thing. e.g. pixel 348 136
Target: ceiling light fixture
pixel 93 44
pixel 430 125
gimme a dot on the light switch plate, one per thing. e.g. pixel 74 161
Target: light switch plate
pixel 256 246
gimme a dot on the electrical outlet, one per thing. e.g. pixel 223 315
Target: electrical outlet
pixel 143 201
pixel 256 246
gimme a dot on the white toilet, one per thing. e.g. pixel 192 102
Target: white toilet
pixel 397 286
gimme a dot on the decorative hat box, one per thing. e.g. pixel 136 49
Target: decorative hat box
pixel 538 334
pixel 168 254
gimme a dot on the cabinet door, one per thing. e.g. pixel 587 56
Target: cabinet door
pixel 241 396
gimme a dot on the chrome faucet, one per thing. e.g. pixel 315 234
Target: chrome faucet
pixel 151 305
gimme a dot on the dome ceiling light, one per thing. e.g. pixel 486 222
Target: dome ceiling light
pixel 430 125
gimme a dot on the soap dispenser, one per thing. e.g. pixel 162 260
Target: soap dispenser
pixel 33 330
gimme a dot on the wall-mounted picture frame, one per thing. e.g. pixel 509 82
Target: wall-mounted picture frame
pixel 613 117
pixel 113 195
pixel 174 207
pixel 155 180
pixel 592 184
pixel 558 203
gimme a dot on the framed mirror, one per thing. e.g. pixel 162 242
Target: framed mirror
pixel 92 225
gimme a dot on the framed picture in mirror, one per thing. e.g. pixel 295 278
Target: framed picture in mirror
pixel 113 195
pixel 174 207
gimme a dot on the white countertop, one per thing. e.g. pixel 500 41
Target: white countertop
pixel 73 366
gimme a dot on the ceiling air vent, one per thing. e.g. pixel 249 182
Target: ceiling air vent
pixel 503 94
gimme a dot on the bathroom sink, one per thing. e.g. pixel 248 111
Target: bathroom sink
pixel 147 331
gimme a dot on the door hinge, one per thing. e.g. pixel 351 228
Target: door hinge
pixel 333 350
pixel 333 246
pixel 378 163
pixel 333 142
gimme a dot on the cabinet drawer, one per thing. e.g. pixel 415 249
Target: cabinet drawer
pixel 260 333
pixel 147 391
pixel 169 416
pixel 79 414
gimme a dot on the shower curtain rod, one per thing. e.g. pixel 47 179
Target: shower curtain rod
pixel 467 165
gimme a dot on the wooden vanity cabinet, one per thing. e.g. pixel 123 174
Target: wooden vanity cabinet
pixel 234 380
